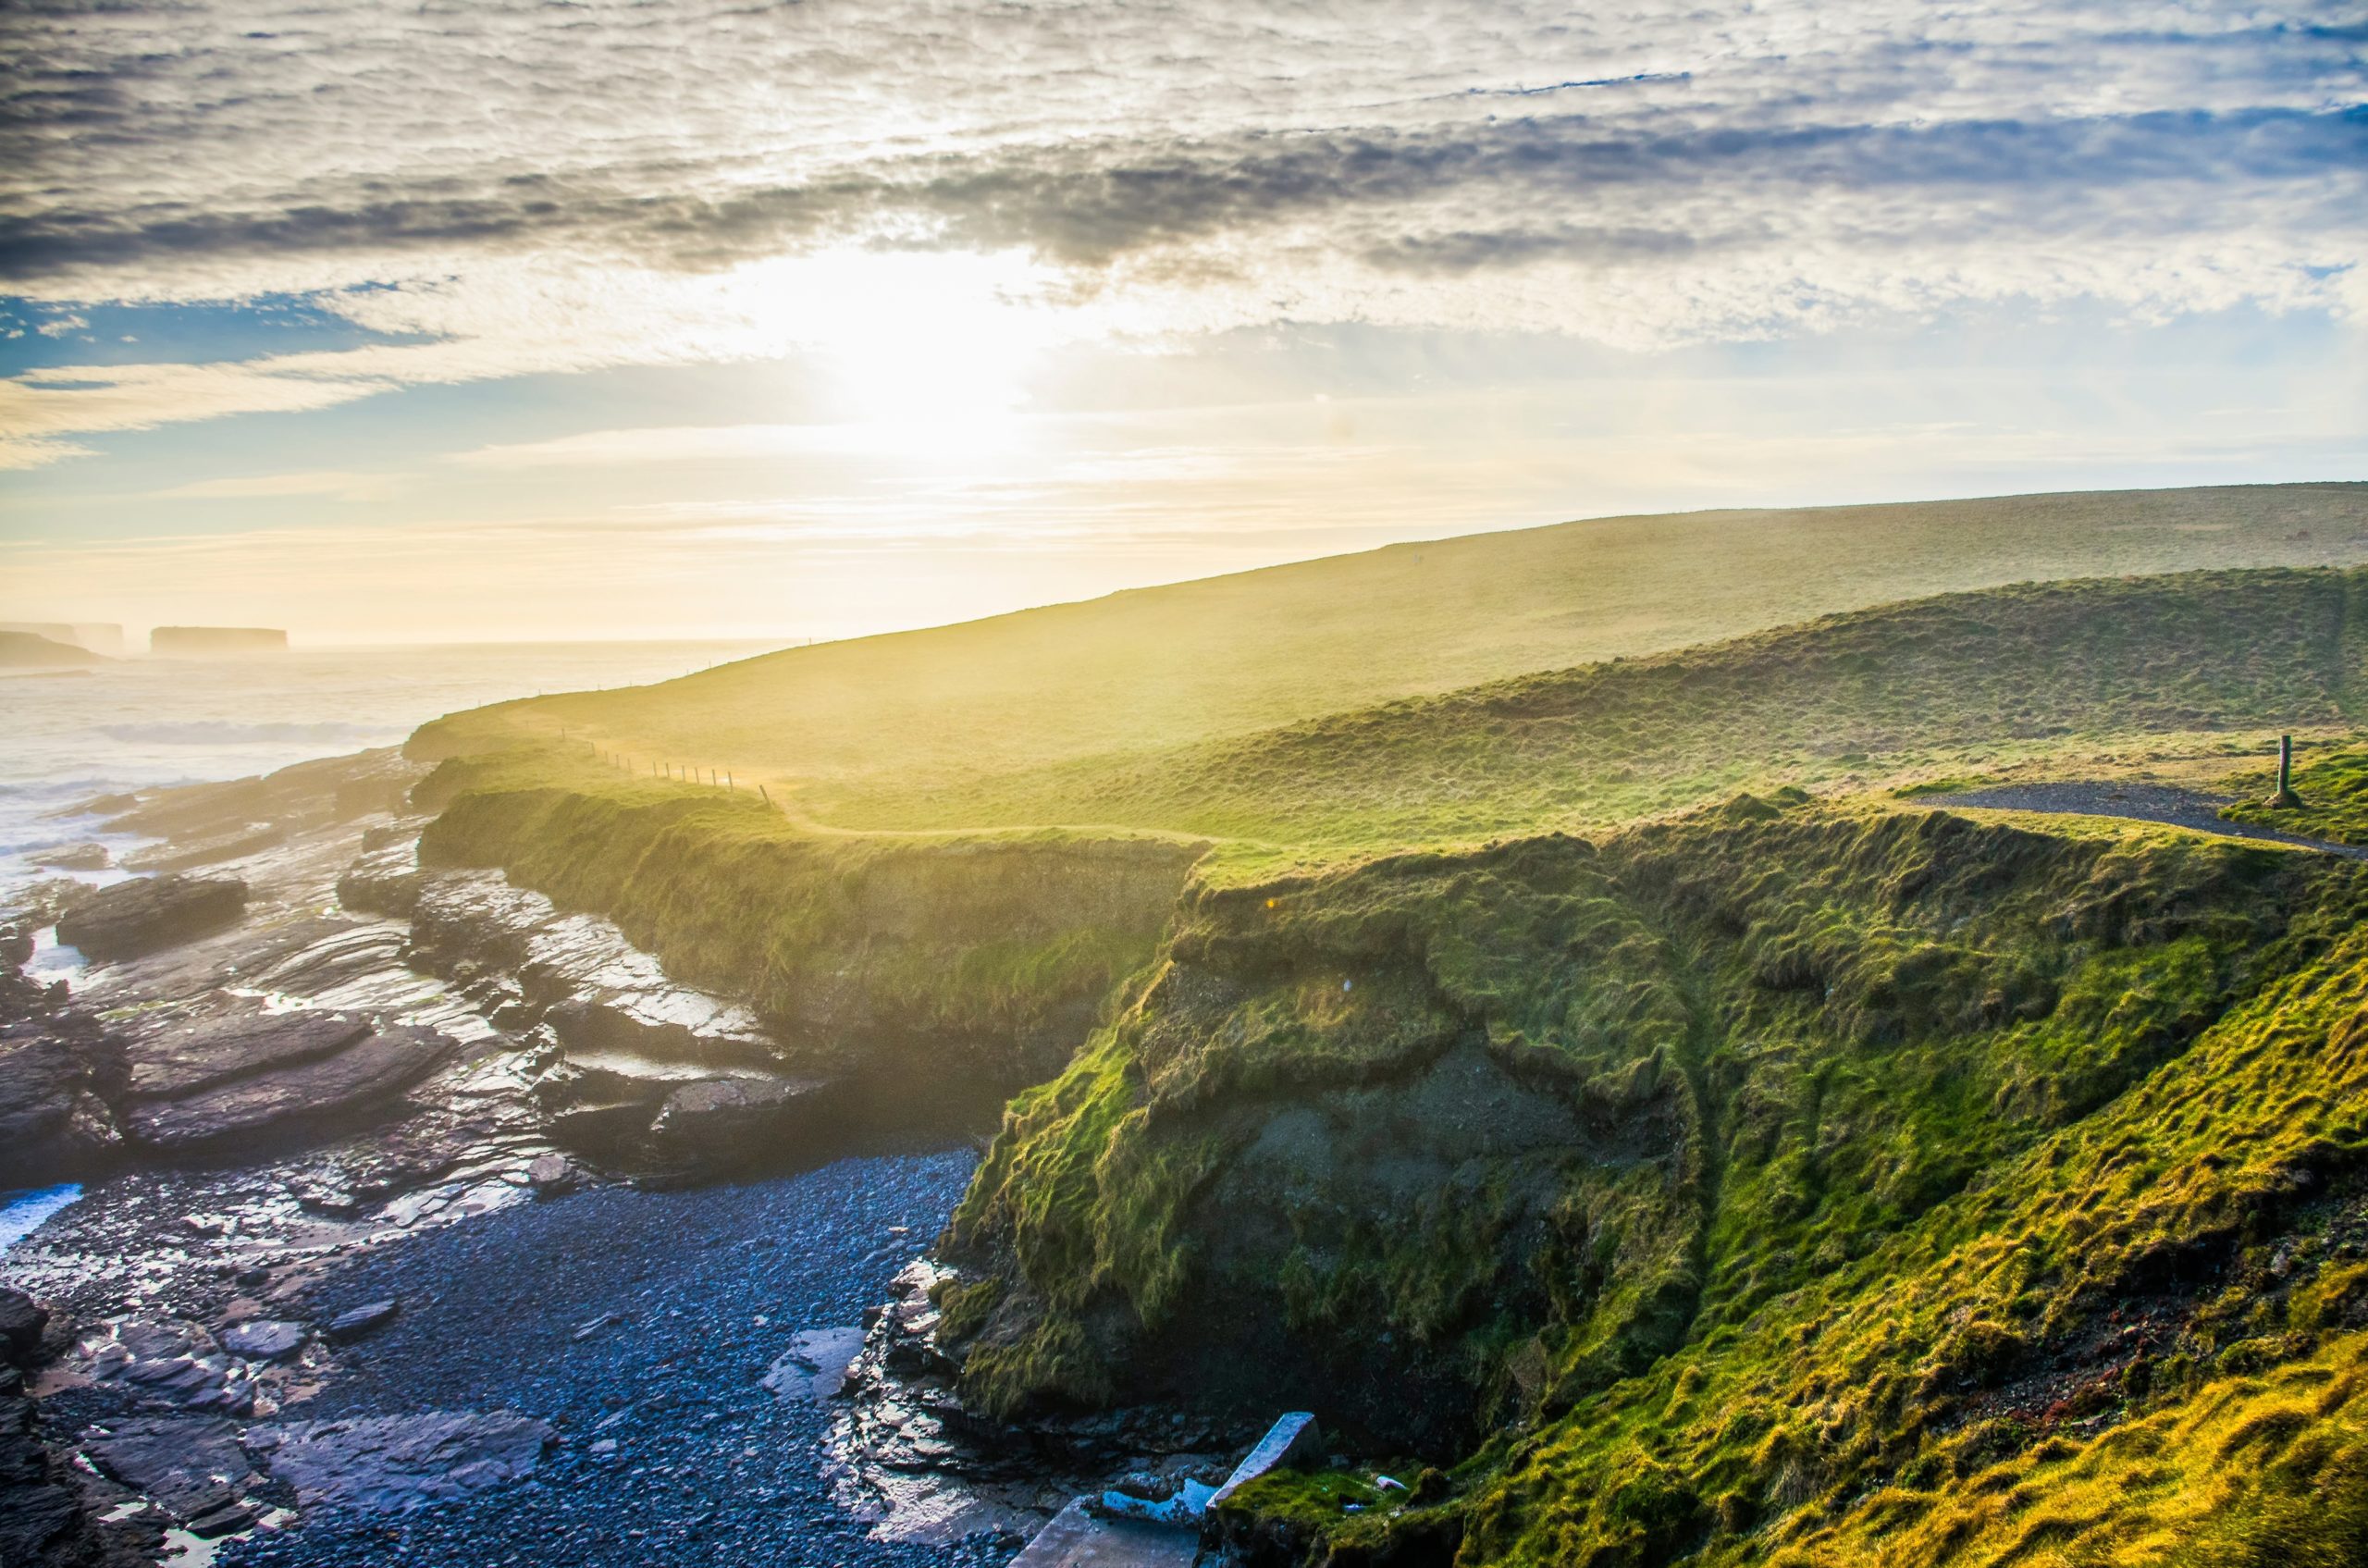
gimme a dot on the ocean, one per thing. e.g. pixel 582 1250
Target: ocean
pixel 137 723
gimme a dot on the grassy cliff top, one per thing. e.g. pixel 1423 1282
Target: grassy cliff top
pixel 2094 678
pixel 2073 674
pixel 1203 662
pixel 1856 1185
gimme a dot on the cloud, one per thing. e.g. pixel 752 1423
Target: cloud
pixel 655 444
pixel 1091 203
pixel 38 452
pixel 543 191
pixel 338 483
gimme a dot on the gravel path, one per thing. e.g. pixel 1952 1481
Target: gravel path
pixel 700 1291
pixel 2141 802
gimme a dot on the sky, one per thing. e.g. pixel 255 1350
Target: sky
pixel 469 321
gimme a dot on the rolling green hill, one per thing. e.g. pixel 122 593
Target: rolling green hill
pixel 877 727
pixel 1960 681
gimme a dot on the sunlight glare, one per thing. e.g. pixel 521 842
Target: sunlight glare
pixel 927 353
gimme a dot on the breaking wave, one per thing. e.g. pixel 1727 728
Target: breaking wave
pixel 203 732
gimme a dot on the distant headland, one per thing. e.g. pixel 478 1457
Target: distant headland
pixel 30 650
pixel 104 638
pixel 215 642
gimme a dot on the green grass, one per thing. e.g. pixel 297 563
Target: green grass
pixel 2064 671
pixel 1846 1423
pixel 2088 677
pixel 874 732
pixel 2333 785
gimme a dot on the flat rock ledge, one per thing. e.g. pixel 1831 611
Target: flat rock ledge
pixel 133 918
pixel 375 1068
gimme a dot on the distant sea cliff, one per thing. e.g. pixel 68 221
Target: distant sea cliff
pixel 215 642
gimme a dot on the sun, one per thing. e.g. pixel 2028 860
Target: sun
pixel 924 351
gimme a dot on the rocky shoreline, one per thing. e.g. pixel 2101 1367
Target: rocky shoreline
pixel 296 1060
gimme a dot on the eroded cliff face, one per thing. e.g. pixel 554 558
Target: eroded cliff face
pixel 922 964
pixel 1359 1144
pixel 1449 1149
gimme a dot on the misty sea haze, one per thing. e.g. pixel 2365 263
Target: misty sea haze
pixel 137 723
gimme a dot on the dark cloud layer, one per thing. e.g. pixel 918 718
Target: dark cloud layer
pixel 1089 203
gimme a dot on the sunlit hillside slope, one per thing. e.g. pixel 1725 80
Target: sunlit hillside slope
pixel 913 715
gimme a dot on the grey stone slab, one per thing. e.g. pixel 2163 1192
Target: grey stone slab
pixel 1076 1540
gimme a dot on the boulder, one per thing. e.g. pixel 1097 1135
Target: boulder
pixel 383 881
pixel 190 1465
pixel 263 1339
pixel 72 858
pixel 718 1118
pixel 364 1074
pixel 21 1321
pixel 133 918
pixel 368 1318
pixel 553 1175
pixel 53 1122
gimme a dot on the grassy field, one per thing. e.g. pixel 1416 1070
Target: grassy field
pixel 2333 787
pixel 2106 671
pixel 2192 670
pixel 873 731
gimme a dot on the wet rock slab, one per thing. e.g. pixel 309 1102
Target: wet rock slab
pixel 172 1058
pixel 1076 1540
pixel 133 918
pixel 644 1072
pixel 192 1465
pixel 395 1463
pixel 184 853
pixel 374 1070
pixel 73 857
